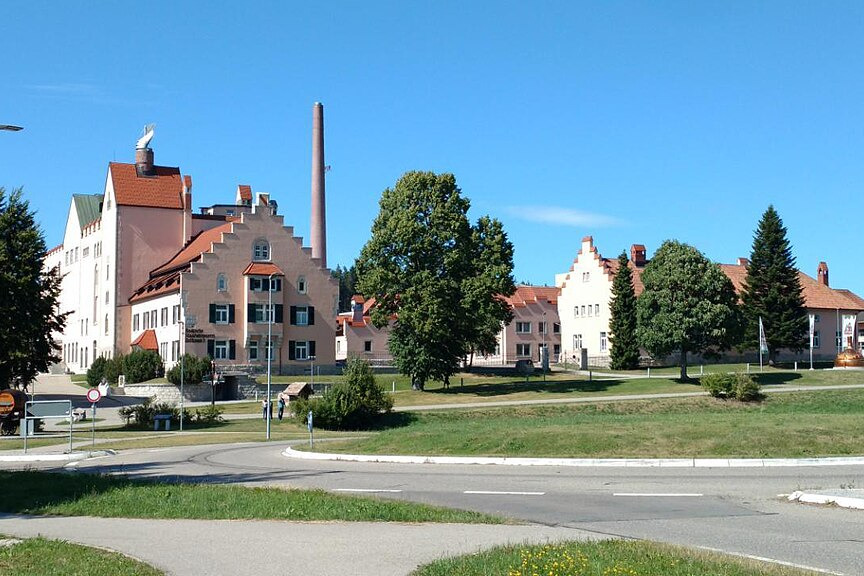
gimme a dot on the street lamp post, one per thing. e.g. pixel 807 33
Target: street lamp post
pixel 182 347
pixel 267 411
pixel 543 355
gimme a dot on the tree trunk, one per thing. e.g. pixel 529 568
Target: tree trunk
pixel 683 365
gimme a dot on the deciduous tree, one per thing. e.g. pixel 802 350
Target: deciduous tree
pixel 29 306
pixel 625 347
pixel 440 276
pixel 772 290
pixel 688 305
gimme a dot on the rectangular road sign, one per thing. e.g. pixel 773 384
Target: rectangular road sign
pixel 49 408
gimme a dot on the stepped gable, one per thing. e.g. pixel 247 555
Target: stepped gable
pixel 164 189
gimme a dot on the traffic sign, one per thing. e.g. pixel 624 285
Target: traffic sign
pixel 93 395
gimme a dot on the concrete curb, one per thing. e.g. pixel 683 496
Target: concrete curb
pixel 584 462
pixel 839 498
pixel 55 457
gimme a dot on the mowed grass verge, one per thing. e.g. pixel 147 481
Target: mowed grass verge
pixel 791 425
pixel 605 558
pixel 44 493
pixel 42 557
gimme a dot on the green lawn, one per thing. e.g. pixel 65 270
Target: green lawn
pixel 795 424
pixel 41 557
pixel 44 493
pixel 605 558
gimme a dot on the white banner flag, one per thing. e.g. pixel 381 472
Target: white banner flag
pixel 763 343
pixel 849 331
pixel 812 326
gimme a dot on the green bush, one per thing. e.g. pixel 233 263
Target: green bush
pixel 194 370
pixel 746 389
pixel 739 386
pixel 719 385
pixel 208 415
pixel 113 369
pixel 142 365
pixel 143 414
pixel 96 371
pixel 354 404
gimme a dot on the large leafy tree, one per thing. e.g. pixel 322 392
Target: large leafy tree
pixel 29 306
pixel 688 305
pixel 438 275
pixel 772 290
pixel 625 347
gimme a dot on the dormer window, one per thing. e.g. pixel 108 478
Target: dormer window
pixel 261 250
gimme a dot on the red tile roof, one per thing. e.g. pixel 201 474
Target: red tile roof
pixel 262 269
pixel 244 192
pixel 610 266
pixel 164 190
pixel 192 251
pixel 147 341
pixel 525 295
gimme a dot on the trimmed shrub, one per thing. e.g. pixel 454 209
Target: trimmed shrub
pixel 96 371
pixel 142 365
pixel 719 385
pixel 746 389
pixel 194 370
pixel 143 414
pixel 113 369
pixel 354 404
pixel 208 415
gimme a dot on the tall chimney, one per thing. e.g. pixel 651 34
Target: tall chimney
pixel 822 274
pixel 144 154
pixel 318 220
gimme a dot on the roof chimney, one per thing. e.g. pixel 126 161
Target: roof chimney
pixel 743 262
pixel 822 274
pixel 637 254
pixel 144 154
pixel 318 219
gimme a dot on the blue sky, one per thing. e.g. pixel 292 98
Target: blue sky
pixel 633 122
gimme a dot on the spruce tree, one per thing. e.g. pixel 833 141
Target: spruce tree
pixel 625 348
pixel 772 290
pixel 30 296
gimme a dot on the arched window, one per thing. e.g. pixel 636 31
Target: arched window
pixel 301 285
pixel 221 283
pixel 261 250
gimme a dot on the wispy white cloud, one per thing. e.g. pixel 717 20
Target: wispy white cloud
pixel 562 216
pixel 92 93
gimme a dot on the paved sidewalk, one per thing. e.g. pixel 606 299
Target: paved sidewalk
pixel 265 548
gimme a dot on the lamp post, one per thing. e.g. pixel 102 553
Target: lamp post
pixel 543 355
pixel 182 347
pixel 267 411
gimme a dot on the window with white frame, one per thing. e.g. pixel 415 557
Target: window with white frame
pixel 586 276
pixel 523 350
pixel 302 316
pixel 541 328
pixel 164 315
pixel 577 341
pixel 175 350
pixel 259 284
pixel 153 319
pixel 270 349
pixel 816 341
pixel 261 250
pixel 301 350
pixel 523 327
pixel 221 314
pixel 106 297
pixel 106 324
pixel 252 351
pixel 589 310
pixel 175 314
pixel 163 351
pixel 596 309
pixel 556 327
pixel 220 350
pixel 604 342
pixel 136 321
pixel 221 283
pixel 575 311
pixel 265 313
pixel 146 320
pixel 583 310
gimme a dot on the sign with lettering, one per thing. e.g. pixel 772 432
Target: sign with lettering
pixel 197 335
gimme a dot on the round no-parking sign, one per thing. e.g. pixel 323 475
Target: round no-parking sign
pixel 93 395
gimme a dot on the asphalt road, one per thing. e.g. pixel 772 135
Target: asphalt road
pixel 735 510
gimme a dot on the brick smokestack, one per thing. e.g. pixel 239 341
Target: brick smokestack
pixel 144 161
pixel 318 220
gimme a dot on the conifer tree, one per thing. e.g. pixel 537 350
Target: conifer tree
pixel 625 348
pixel 772 290
pixel 30 296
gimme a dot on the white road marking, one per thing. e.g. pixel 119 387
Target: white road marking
pixel 494 493
pixel 366 490
pixel 658 494
pixel 773 561
pixel 71 465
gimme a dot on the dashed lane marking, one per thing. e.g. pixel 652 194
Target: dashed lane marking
pixel 495 493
